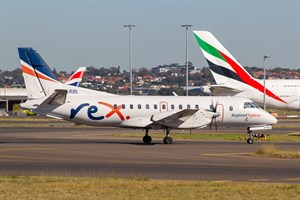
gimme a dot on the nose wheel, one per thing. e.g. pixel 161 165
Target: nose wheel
pixel 250 140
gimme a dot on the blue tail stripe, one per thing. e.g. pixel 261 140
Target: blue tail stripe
pixel 32 58
pixel 74 84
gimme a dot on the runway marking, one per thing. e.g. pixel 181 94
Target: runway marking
pixel 24 149
pixel 38 158
pixel 223 181
pixel 259 179
pixel 292 179
pixel 244 155
pixel 237 155
pixel 95 134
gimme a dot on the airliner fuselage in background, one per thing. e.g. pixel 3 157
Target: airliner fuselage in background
pixel 49 97
pixel 232 79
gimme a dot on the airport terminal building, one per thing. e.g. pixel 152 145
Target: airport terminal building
pixel 9 97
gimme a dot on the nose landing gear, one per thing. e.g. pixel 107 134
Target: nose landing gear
pixel 250 140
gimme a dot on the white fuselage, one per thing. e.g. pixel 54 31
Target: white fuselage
pixel 136 111
pixel 287 94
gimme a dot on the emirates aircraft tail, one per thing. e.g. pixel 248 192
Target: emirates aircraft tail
pixel 222 64
pixel 230 75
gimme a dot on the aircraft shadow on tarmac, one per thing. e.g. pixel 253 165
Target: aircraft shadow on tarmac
pixel 52 141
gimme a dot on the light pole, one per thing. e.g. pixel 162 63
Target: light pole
pixel 129 26
pixel 264 63
pixel 186 56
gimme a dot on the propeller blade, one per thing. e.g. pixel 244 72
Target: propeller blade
pixel 216 124
pixel 214 115
pixel 210 125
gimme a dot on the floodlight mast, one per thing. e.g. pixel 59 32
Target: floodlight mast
pixel 130 26
pixel 186 26
pixel 264 64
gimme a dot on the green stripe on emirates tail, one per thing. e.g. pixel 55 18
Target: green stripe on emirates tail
pixel 208 48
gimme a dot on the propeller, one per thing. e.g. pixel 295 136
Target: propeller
pixel 214 115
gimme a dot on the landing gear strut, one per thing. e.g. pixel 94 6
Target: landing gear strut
pixel 250 140
pixel 168 139
pixel 147 138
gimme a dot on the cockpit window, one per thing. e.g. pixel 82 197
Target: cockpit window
pixel 250 105
pixel 256 106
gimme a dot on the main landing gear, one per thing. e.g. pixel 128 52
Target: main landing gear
pixel 147 138
pixel 167 140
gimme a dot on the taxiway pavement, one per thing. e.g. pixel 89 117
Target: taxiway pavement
pixel 94 152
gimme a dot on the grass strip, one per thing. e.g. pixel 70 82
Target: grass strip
pixel 15 188
pixel 270 150
pixel 217 136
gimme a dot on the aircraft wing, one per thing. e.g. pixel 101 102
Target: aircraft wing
pixel 220 90
pixel 183 119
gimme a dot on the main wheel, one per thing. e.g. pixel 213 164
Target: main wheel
pixel 168 140
pixel 250 141
pixel 147 139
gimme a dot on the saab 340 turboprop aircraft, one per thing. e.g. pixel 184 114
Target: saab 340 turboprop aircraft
pixel 232 79
pixel 47 96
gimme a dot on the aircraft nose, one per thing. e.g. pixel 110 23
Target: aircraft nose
pixel 271 119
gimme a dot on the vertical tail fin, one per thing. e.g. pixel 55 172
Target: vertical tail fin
pixel 38 77
pixel 222 64
pixel 76 78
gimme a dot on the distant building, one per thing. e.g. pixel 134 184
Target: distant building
pixel 11 96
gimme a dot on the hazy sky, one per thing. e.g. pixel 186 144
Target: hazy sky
pixel 69 34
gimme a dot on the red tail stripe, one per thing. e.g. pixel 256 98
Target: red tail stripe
pixel 247 79
pixel 28 71
pixel 76 75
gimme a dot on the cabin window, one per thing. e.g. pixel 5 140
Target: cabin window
pixel 139 106
pixel 131 106
pixel 163 107
pixel 172 106
pixel 155 106
pixel 147 106
pixel 115 106
pixel 180 106
pixel 188 106
pixel 230 108
pixel 123 106
pixel 197 106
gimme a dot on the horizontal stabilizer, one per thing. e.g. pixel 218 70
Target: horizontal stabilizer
pixel 58 97
pixel 220 90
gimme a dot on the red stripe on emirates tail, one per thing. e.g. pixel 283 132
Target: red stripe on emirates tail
pixel 248 79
